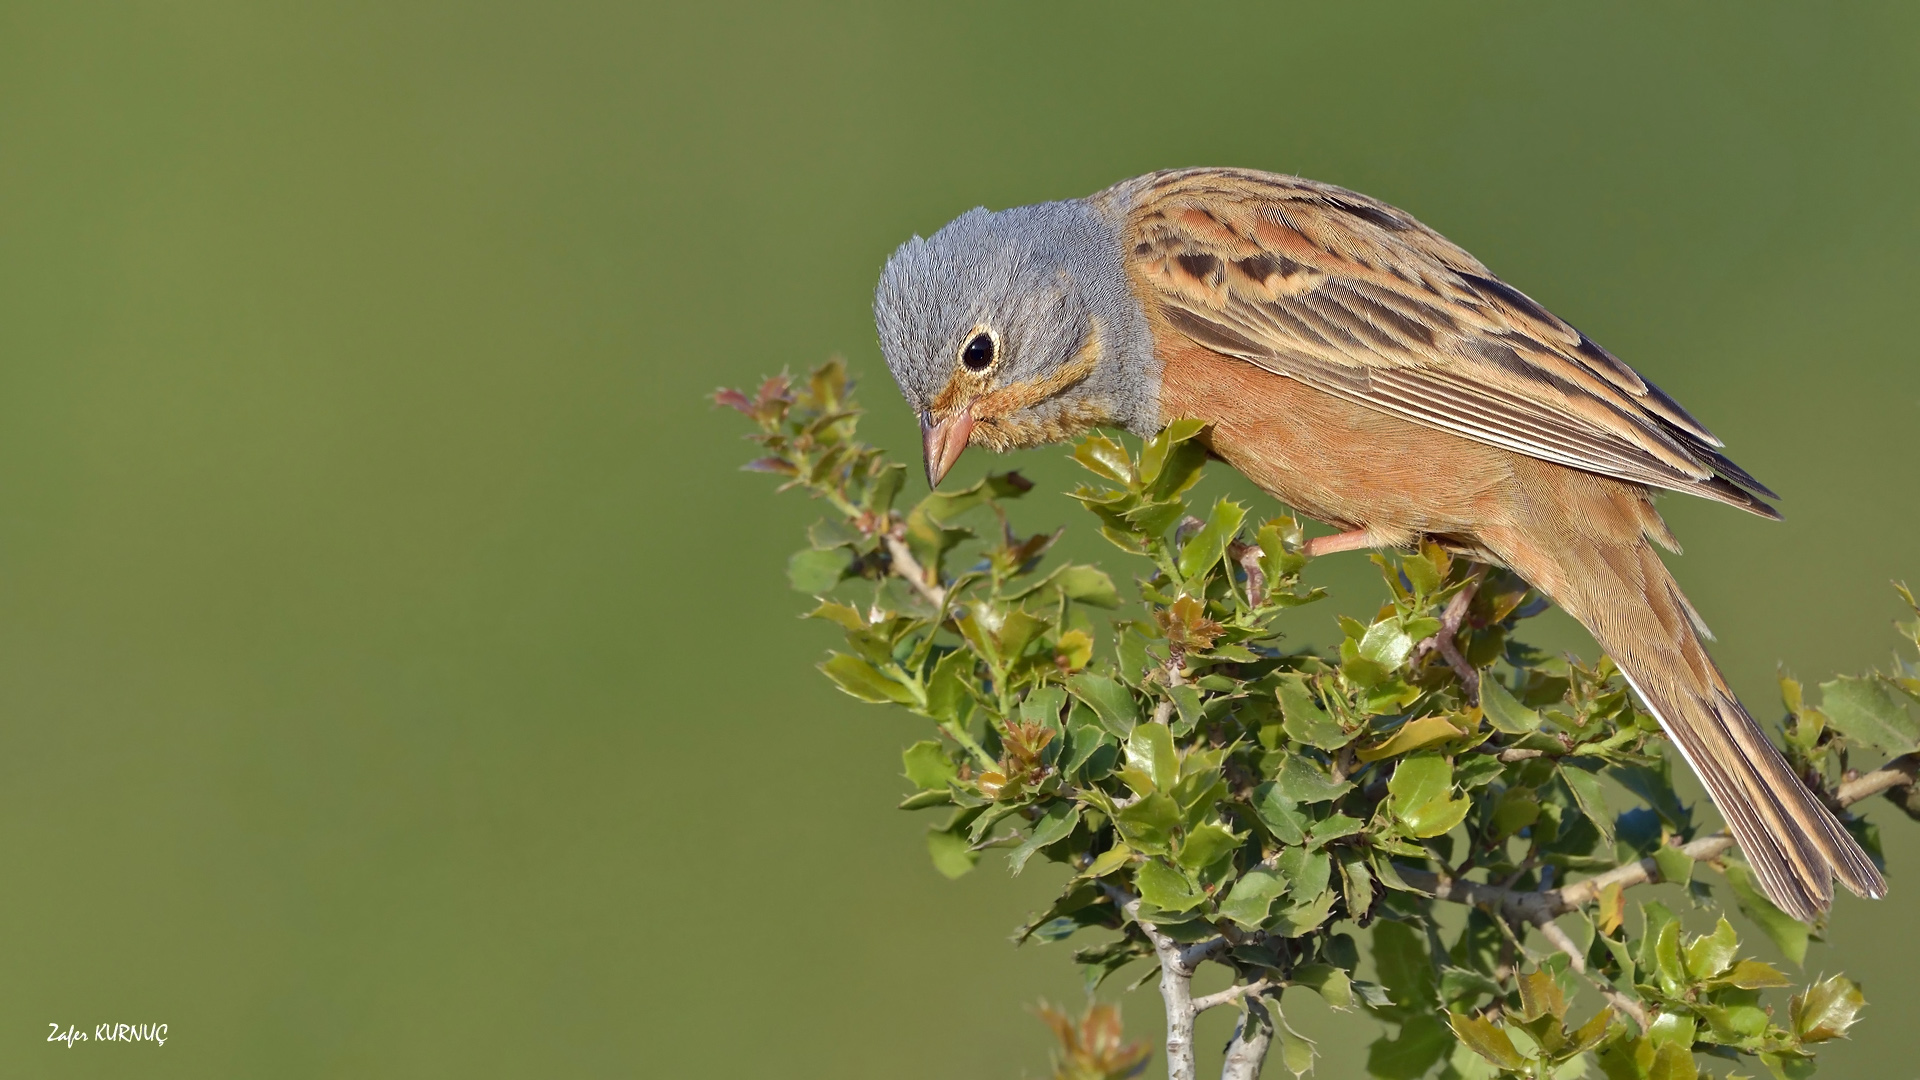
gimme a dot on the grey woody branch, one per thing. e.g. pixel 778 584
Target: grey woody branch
pixel 1539 908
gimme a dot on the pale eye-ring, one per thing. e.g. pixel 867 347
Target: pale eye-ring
pixel 980 351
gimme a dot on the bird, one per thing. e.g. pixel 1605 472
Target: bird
pixel 1369 373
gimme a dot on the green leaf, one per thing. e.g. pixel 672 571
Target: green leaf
pixel 1042 706
pixel 1109 699
pixel 1673 1062
pixel 1304 918
pixel 1675 865
pixel 1055 825
pixel 1304 720
pixel 815 570
pixel 1296 1050
pixel 1590 1033
pixel 864 681
pixel 1826 1009
pixel 841 615
pixel 1490 1042
pixel 1356 881
pixel 1788 1066
pixel 1084 741
pixel 1304 781
pixel 1279 814
pixel 1187 700
pixel 1057 922
pixel 1413 735
pixel 1104 457
pixel 1419 793
pixel 921 800
pixel 1586 792
pixel 952 854
pixel 832 533
pixel 1458 984
pixel 1666 959
pixel 1205 845
pixel 1252 896
pixel 1108 861
pixel 1276 562
pixel 947 695
pixel 1087 585
pixel 1170 461
pixel 1503 711
pixel 1540 996
pixel 1517 809
pixel 1754 975
pixel 1710 954
pixel 1331 983
pixel 1306 872
pixel 1386 643
pixel 1333 828
pixel 1476 771
pixel 1150 749
pixel 884 487
pixel 1148 823
pixel 1654 918
pixel 1674 1029
pixel 1421 573
pixel 928 765
pixel 1788 934
pixel 1205 548
pixel 1167 888
pixel 1401 959
pixel 1868 712
pixel 1423 1039
pixel 1017 631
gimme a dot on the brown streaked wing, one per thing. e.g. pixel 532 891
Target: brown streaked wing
pixel 1357 298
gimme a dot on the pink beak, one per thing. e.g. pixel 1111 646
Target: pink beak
pixel 943 443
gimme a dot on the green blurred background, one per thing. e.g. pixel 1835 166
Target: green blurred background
pixel 399 680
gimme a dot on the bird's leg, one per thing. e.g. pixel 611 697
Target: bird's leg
pixel 1351 540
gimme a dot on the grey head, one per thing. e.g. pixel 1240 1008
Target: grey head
pixel 1016 328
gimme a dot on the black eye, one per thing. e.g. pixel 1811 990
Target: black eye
pixel 978 355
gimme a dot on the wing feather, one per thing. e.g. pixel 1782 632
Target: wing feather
pixel 1357 298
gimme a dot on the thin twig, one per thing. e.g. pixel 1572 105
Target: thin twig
pixel 1621 1002
pixel 1452 619
pixel 910 570
pixel 1231 994
pixel 1176 659
pixel 1898 773
pixel 1512 754
pixel 1249 556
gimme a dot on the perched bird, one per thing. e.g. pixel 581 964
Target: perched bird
pixel 1367 372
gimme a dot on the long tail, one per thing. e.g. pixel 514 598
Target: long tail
pixel 1595 561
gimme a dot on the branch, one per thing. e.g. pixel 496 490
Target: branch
pixel 1176 985
pixel 1251 1040
pixel 1539 908
pixel 1249 556
pixel 1232 994
pixel 1898 773
pixel 1176 659
pixel 1623 1004
pixel 910 570
pixel 1451 621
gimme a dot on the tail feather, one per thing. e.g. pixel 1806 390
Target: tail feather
pixel 1613 582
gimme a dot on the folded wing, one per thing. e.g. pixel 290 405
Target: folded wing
pixel 1357 298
